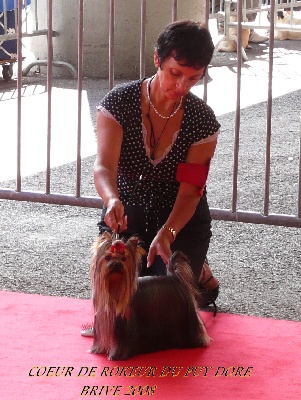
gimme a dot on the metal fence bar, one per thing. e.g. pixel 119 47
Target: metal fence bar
pixel 19 94
pixel 206 13
pixel 96 202
pixel 256 218
pixel 49 95
pixel 25 20
pixel 174 13
pixel 5 17
pixel 142 38
pixel 36 14
pixel 299 192
pixel 52 198
pixel 19 90
pixel 237 114
pixel 79 94
pixel 213 6
pixel 205 79
pixel 111 44
pixel 269 113
pixel 15 9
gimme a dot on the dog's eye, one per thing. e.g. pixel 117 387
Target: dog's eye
pixel 108 257
pixel 123 258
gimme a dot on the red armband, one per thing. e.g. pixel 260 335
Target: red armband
pixel 195 174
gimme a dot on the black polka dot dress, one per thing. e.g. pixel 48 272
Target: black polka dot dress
pixel 140 181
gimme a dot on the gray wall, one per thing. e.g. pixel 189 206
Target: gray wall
pixel 96 33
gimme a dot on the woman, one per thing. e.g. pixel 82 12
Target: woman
pixel 155 143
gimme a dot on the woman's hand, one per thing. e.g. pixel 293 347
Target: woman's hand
pixel 115 218
pixel 160 246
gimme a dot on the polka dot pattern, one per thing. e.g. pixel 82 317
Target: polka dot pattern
pixel 140 182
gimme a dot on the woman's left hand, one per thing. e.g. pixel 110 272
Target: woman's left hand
pixel 160 246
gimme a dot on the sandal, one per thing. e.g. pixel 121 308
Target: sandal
pixel 87 330
pixel 208 287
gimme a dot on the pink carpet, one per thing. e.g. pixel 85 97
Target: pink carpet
pixel 39 332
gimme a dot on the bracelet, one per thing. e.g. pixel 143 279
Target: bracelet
pixel 171 230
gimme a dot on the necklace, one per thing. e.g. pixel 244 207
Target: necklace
pixel 156 111
pixel 153 143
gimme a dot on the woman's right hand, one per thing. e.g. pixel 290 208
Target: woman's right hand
pixel 160 246
pixel 115 218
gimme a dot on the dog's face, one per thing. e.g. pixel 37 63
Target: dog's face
pixel 284 17
pixel 114 271
pixel 116 259
pixel 279 17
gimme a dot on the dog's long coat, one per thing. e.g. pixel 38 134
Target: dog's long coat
pixel 161 313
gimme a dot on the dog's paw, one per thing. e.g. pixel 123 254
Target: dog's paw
pixel 97 350
pixel 118 354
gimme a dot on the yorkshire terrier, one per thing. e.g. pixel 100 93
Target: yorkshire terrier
pixel 135 315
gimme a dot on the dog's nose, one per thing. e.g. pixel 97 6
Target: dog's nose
pixel 116 266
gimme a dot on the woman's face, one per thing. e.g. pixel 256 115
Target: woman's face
pixel 175 78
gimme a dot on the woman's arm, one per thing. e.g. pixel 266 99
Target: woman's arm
pixel 186 201
pixel 109 139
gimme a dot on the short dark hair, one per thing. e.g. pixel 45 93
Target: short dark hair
pixel 186 41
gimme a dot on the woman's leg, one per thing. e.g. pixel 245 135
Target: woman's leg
pixel 193 240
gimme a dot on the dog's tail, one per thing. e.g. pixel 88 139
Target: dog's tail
pixel 179 265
